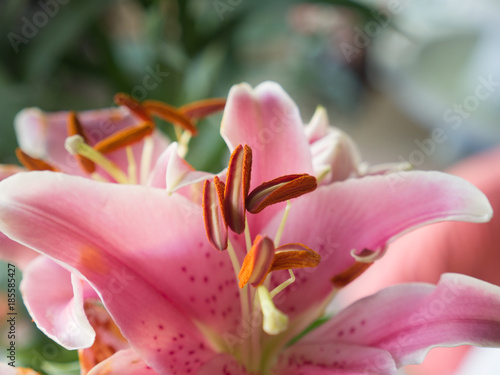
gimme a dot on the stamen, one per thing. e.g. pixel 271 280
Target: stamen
pixel 284 284
pixel 349 275
pixel 294 255
pixel 203 108
pixel 215 223
pixel 125 137
pixel 237 186
pixel 169 113
pixel 281 228
pixel 33 164
pixel 146 158
pixel 274 321
pixel 74 127
pixel 279 190
pixel 132 167
pixel 184 143
pixel 77 146
pixel 257 262
pixel 133 105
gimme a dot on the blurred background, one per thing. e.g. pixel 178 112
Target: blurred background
pixel 415 81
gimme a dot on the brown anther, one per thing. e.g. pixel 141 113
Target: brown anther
pixel 203 108
pixel 294 255
pixel 350 274
pixel 133 105
pixel 33 164
pixel 170 114
pixel 257 263
pixel 125 137
pixel 237 187
pixel 74 127
pixel 279 190
pixel 213 217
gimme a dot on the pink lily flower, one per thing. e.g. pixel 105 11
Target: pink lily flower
pixel 423 255
pixel 189 309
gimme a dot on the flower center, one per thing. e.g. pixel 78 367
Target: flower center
pixel 225 206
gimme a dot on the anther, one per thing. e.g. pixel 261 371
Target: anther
pixel 33 164
pixel 237 186
pixel 350 274
pixel 125 137
pixel 279 190
pixel 215 223
pixel 257 262
pixel 169 113
pixel 203 108
pixel 74 127
pixel 294 255
pixel 133 105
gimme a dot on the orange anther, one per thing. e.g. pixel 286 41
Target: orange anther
pixel 133 105
pixel 74 127
pixel 257 263
pixel 213 216
pixel 203 108
pixel 169 113
pixel 125 137
pixel 279 190
pixel 33 164
pixel 237 186
pixel 294 255
pixel 350 274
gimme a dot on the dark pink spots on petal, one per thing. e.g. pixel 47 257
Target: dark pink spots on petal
pixel 160 326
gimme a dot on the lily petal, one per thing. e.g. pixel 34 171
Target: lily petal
pixel 222 364
pixel 123 362
pixel 5 369
pixel 159 286
pixel 42 135
pixel 367 213
pixel 409 319
pixel 55 302
pixel 334 359
pixel 268 121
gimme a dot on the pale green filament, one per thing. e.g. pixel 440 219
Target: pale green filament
pixel 132 166
pixel 184 143
pixel 248 239
pixel 147 156
pixel 284 284
pixel 76 146
pixel 281 228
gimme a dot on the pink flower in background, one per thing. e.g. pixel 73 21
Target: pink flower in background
pixel 426 253
pixel 182 310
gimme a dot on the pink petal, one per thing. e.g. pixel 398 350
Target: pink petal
pixel 42 134
pixel 267 120
pixel 224 364
pixel 55 302
pixel 123 362
pixel 172 172
pixel 145 253
pixel 334 359
pixel 409 319
pixel 366 213
pixel 13 252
